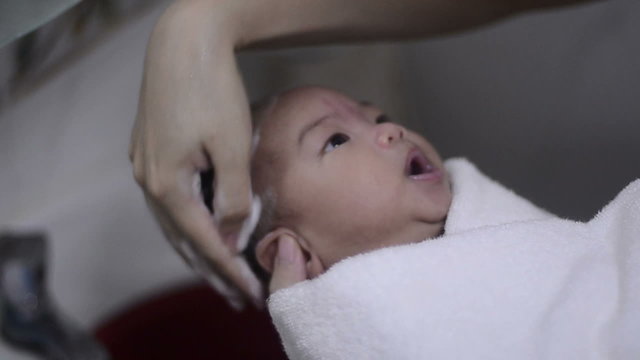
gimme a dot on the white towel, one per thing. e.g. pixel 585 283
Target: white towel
pixel 506 281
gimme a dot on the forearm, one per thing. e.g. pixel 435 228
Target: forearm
pixel 203 33
pixel 284 23
pixel 190 61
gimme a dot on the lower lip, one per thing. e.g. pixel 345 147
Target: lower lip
pixel 435 175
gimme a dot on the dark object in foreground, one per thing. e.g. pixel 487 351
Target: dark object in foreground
pixel 29 319
pixel 190 322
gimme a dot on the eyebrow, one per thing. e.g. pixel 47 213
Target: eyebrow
pixel 312 126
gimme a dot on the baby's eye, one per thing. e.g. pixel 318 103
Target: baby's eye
pixel 335 141
pixel 382 118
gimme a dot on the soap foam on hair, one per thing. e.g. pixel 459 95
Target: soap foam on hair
pixel 249 224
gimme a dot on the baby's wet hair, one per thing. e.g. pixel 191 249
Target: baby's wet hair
pixel 264 226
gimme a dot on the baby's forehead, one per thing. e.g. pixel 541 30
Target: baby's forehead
pixel 296 107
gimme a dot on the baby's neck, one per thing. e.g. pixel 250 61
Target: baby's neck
pixel 415 233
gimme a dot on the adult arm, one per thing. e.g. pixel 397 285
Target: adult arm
pixel 193 111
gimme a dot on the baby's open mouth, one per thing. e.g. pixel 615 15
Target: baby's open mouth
pixel 418 166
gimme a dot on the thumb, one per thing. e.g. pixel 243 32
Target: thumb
pixel 288 267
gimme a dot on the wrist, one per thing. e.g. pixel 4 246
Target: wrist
pixel 195 27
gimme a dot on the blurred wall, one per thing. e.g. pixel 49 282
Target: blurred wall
pixel 64 169
pixel 547 103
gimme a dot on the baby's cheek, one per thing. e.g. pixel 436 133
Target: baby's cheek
pixel 431 152
pixel 441 202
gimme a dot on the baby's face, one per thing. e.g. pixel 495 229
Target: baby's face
pixel 353 182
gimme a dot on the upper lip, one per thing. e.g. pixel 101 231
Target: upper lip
pixel 417 163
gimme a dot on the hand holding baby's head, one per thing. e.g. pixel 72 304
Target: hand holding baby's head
pixel 340 179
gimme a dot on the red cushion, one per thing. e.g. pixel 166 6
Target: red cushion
pixel 191 322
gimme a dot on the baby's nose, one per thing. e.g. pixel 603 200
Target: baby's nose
pixel 388 134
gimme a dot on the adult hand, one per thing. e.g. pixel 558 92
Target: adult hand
pixel 193 115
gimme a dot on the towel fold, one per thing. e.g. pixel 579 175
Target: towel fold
pixel 506 280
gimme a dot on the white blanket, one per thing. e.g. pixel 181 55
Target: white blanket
pixel 506 281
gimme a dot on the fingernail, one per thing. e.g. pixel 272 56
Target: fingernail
pixel 286 250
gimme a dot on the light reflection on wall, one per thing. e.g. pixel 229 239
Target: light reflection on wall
pixel 32 57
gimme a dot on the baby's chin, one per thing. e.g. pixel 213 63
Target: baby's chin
pixel 431 229
pixel 433 201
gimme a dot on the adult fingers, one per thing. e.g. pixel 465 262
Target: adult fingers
pixel 228 147
pixel 171 232
pixel 197 262
pixel 232 192
pixel 288 267
pixel 134 139
pixel 193 220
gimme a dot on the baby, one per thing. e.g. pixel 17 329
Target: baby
pixel 338 177
pixel 507 280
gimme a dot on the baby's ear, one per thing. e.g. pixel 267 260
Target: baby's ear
pixel 279 253
pixel 267 247
pixel 267 250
